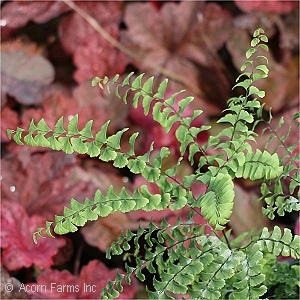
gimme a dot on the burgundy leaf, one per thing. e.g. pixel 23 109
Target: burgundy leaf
pixel 16 14
pixel 93 55
pixel 178 37
pixel 246 213
pixel 275 6
pixel 95 59
pixel 54 284
pixel 57 103
pixel 104 231
pixel 19 250
pixel 96 275
pixel 65 253
pixel 88 285
pixel 75 31
pixel 25 76
pixel 9 119
pixel 157 4
pixel 87 101
pixel 45 185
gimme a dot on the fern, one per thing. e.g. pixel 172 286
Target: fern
pixel 282 278
pixel 277 201
pixel 185 260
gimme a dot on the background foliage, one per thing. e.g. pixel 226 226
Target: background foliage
pixel 49 56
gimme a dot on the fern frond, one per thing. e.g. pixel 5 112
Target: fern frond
pixel 277 199
pixel 260 165
pixel 178 266
pixel 279 244
pixel 163 110
pixel 248 280
pixel 101 206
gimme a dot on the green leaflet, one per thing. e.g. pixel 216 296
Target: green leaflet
pixel 86 132
pixel 147 86
pixel 42 126
pixel 161 89
pixel 72 126
pixel 137 82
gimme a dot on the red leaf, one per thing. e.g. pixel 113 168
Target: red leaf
pixel 87 101
pixel 57 103
pixel 104 231
pixel 275 6
pixel 19 249
pixel 46 183
pixel 9 120
pixel 91 61
pixel 65 253
pixel 16 14
pixel 25 76
pixel 63 285
pixel 96 275
pixel 157 4
pixel 93 55
pixel 179 37
pixel 246 213
pixel 54 284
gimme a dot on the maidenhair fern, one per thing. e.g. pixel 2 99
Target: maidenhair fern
pixel 183 258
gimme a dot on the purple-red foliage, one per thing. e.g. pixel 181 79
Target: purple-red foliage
pixel 18 248
pixel 63 285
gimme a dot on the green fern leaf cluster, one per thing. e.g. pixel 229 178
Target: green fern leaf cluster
pixel 102 206
pixel 276 199
pixel 182 258
pixel 282 277
pixel 204 267
pixel 278 244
